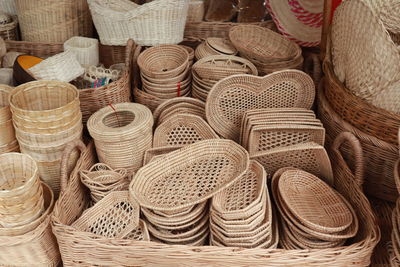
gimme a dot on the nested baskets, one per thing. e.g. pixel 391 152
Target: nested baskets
pixel 122 133
pixel 231 97
pixel 46 117
pixel 58 22
pixel 182 129
pixel 8 142
pixel 101 180
pixel 85 49
pixel 9 30
pixel 21 197
pixel 73 200
pixel 268 50
pixel 154 23
pixel 62 67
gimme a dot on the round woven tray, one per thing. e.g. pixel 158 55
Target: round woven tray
pixel 232 96
pixel 214 164
pixel 182 129
pixel 174 101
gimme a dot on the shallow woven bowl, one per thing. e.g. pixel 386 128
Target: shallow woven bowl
pixel 262 44
pixel 197 171
pixel 44 100
pixel 164 61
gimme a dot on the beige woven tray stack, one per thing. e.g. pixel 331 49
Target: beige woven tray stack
pixel 268 50
pixel 122 133
pixel 173 190
pixel 101 180
pixel 8 142
pixel 209 70
pixel 213 46
pixel 313 215
pixel 165 71
pixel 114 216
pixel 21 193
pixel 277 137
pixel 232 96
pixel 241 215
pixel 181 130
pixel 46 116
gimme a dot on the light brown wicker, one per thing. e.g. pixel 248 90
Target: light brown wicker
pixel 152 153
pixel 74 199
pixel 56 23
pixel 262 44
pixel 215 46
pixel 182 129
pixel 232 96
pixel 9 31
pixel 313 202
pixel 196 11
pixel 101 180
pixel 219 161
pixel 114 216
pixel 310 157
pixel 379 181
pixel 122 133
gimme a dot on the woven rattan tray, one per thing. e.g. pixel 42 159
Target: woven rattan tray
pixel 197 171
pixel 232 96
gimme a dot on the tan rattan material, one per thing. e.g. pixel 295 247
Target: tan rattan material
pixel 101 180
pixel 5 113
pixel 232 96
pixel 313 202
pixel 219 161
pixel 122 133
pixel 157 151
pixel 173 101
pixel 262 44
pixel 182 129
pixel 310 157
pixel 115 216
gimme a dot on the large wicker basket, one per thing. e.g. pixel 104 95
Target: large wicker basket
pixel 379 156
pixel 58 22
pixel 74 198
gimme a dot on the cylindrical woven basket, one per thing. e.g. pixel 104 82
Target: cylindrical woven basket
pixel 74 198
pixel 122 134
pixel 9 31
pixel 379 181
pixel 58 22
pixel 154 23
pixel 85 49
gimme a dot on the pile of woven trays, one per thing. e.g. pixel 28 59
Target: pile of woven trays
pixel 46 116
pixel 8 142
pixel 165 71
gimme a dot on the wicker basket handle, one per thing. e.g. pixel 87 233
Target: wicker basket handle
pixel 358 154
pixel 64 160
pixel 312 66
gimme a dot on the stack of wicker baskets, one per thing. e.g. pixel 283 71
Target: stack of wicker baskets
pixel 268 50
pixel 209 70
pixel 8 142
pixel 165 71
pixel 241 215
pixel 21 197
pixel 46 117
pixel 214 46
pixel 101 180
pixel 313 215
pixel 122 133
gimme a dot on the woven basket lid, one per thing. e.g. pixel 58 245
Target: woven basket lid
pixel 189 175
pixel 313 202
pixel 289 25
pixel 232 96
pixel 174 101
pixel 221 45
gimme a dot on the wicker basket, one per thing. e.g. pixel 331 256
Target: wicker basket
pixel 74 199
pixel 8 6
pixel 58 22
pixel 85 49
pixel 9 31
pixel 196 11
pixel 62 67
pixel 154 23
pixel 379 181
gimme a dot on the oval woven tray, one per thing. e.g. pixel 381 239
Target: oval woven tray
pixel 197 171
pixel 232 96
